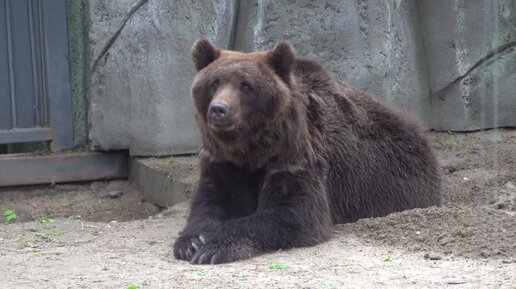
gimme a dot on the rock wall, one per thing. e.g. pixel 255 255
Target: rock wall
pixel 452 64
pixel 141 71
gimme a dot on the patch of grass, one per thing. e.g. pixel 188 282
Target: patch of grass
pixel 450 132
pixel 163 254
pixel 66 204
pixel 387 259
pixel 22 244
pixel 47 220
pixel 341 266
pixel 47 236
pixel 132 286
pixel 278 266
pixel 55 234
pixel 203 272
pixel 453 144
pixel 337 268
pixel 10 215
pixel 172 160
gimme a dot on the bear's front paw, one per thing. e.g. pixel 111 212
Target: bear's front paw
pixel 212 254
pixel 187 245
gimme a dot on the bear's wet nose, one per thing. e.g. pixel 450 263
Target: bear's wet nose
pixel 219 113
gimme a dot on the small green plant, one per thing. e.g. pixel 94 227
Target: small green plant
pixel 341 266
pixel 66 204
pixel 132 286
pixel 450 132
pixel 47 236
pixel 278 266
pixel 47 220
pixel 201 272
pixel 172 160
pixel 453 143
pixel 387 259
pixel 55 234
pixel 9 215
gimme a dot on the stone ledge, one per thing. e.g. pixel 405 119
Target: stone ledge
pixel 165 181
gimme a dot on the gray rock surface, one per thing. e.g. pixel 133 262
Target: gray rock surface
pixel 471 59
pixel 374 45
pixel 140 87
pixel 449 63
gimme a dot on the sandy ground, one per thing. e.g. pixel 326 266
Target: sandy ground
pixel 96 241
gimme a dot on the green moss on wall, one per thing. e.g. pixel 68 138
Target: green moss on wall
pixel 75 10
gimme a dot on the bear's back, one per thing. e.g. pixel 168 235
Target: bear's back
pixel 378 159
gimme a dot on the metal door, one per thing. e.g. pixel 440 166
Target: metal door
pixel 35 94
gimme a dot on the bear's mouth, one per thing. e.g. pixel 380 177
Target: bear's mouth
pixel 226 136
pixel 218 128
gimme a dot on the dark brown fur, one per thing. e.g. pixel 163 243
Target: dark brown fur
pixel 307 151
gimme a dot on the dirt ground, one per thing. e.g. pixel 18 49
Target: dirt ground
pixel 91 236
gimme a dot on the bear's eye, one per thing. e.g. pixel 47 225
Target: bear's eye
pixel 215 84
pixel 246 87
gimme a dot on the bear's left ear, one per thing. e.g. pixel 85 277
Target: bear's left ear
pixel 204 53
pixel 281 58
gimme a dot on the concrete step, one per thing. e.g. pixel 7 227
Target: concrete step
pixel 165 181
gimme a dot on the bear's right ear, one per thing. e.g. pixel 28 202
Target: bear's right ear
pixel 204 53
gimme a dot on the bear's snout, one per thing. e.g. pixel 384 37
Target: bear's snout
pixel 219 115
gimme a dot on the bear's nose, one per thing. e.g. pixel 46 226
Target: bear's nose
pixel 219 112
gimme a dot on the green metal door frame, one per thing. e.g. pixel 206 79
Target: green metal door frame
pixel 46 115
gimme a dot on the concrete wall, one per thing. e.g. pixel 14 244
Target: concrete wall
pixel 450 63
pixel 470 53
pixel 140 85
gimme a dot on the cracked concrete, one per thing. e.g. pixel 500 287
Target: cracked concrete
pixel 490 57
pixel 449 63
pixel 140 94
pixel 113 38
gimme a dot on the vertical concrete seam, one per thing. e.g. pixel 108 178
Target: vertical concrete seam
pixel 87 73
pixel 234 25
pixel 259 37
pixel 420 33
pixel 461 51
pixel 86 62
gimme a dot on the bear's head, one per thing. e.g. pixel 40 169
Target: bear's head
pixel 247 105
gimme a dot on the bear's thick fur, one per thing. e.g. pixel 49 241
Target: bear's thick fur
pixel 288 151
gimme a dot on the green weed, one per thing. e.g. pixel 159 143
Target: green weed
pixel 278 266
pixel 10 215
pixel 47 220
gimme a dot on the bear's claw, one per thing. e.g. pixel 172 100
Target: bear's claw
pixel 211 254
pixel 185 247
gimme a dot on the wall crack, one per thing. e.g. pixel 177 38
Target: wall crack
pixel 112 39
pixel 493 54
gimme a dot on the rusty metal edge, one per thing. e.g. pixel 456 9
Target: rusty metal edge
pixel 62 168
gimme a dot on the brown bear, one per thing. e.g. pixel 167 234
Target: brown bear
pixel 288 151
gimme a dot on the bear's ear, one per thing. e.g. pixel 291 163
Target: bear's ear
pixel 281 58
pixel 204 53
